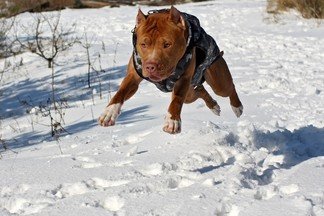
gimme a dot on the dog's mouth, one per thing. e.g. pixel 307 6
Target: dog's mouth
pixel 161 75
pixel 155 78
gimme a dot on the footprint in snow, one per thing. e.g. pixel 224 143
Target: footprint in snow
pixel 111 203
pixel 114 203
pixel 122 163
pixel 156 169
pixel 71 189
pixel 153 170
pixel 289 189
pixel 16 200
pixel 227 209
pixel 66 190
pixel 22 206
pixel 266 193
pixel 86 162
pixel 133 139
pixel 270 191
pixel 210 182
pixel 130 140
pixel 176 182
pixel 98 183
pixel 132 151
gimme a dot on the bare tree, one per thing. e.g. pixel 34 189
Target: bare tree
pixel 95 64
pixel 98 69
pixel 3 143
pixel 45 110
pixel 86 43
pixel 47 38
pixel 5 43
pixel 3 69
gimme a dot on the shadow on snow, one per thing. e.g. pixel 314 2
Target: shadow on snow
pixel 18 97
pixel 33 138
pixel 73 89
pixel 134 115
pixel 295 147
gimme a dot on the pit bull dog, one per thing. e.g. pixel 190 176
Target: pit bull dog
pixel 174 52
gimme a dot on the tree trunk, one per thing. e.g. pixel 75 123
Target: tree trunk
pixel 53 88
pixel 89 67
pixel 50 63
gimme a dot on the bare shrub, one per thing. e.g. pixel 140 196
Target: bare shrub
pixel 99 71
pixel 94 64
pixel 45 110
pixel 47 38
pixel 3 69
pixel 87 43
pixel 307 8
pixel 5 42
pixel 14 7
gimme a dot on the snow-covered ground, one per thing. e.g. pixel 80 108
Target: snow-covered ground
pixel 269 162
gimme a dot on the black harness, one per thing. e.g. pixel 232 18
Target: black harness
pixel 207 52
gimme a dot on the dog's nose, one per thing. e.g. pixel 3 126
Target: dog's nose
pixel 151 67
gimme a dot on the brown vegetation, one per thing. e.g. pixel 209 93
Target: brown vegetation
pixel 307 8
pixel 14 7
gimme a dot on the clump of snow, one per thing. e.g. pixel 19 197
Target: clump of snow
pixel 113 203
pixel 102 183
pixel 133 151
pixel 71 189
pixel 16 205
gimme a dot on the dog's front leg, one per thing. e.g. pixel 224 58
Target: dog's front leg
pixel 127 89
pixel 172 123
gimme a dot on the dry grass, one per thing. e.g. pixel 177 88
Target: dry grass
pixel 94 4
pixel 15 7
pixel 307 8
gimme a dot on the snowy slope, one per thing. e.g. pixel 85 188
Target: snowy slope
pixel 268 162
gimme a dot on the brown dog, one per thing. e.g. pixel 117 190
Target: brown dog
pixel 174 52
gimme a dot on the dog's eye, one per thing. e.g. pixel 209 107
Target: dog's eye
pixel 166 45
pixel 143 45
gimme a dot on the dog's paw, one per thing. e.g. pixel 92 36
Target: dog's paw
pixel 110 114
pixel 216 110
pixel 171 126
pixel 238 110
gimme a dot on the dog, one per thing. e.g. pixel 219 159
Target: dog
pixel 174 52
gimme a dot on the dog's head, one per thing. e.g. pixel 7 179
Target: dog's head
pixel 160 42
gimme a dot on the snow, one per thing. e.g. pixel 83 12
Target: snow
pixel 270 161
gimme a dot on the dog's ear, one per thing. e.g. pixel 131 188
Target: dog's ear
pixel 140 17
pixel 176 17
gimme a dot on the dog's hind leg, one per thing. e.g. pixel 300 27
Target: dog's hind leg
pixel 200 92
pixel 236 104
pixel 219 78
pixel 210 102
